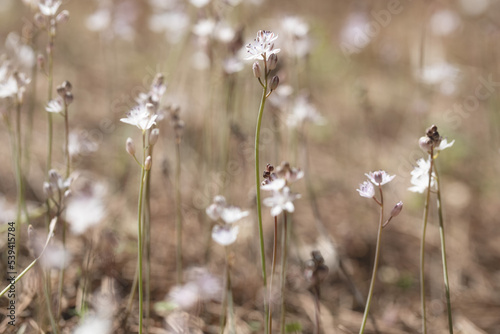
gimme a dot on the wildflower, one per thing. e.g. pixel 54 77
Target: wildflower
pixel 14 85
pixel 379 178
pixel 232 65
pixel 219 209
pixel 444 144
pixel 420 176
pixel 55 106
pixel 204 28
pixel 281 200
pixel 86 208
pixel 262 47
pixel 303 111
pixel 397 209
pixel 141 116
pixel 366 189
pixel 225 235
pixel 94 324
pixel 49 7
pixel 57 183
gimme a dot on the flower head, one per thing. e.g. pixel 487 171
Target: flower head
pixel 55 106
pixel 263 46
pixel 219 209
pixel 141 116
pixel 366 189
pixel 444 144
pixel 420 176
pixel 380 177
pixel 281 200
pixel 49 7
pixel 225 235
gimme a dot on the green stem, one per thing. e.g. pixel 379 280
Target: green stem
pixel 146 227
pixel 422 247
pixel 273 270
pixel 284 251
pixel 139 232
pixel 257 183
pixel 375 265
pixel 49 114
pixel 178 215
pixel 19 175
pixel 443 251
pixel 230 305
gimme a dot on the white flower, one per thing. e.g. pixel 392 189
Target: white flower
pixel 444 144
pixel 140 116
pixel 263 46
pixel 225 235
pixel 295 26
pixel 233 65
pixel 304 111
pixel 275 185
pixel 420 176
pixel 232 214
pixel 9 87
pixel 366 189
pixel 99 20
pixel 380 177
pixel 55 106
pixel 86 209
pixel 199 3
pixel 49 7
pixel 95 324
pixel 204 28
pixel 281 201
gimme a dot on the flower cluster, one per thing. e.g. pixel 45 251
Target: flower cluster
pixel 433 141
pixel 225 234
pixel 277 181
pixel 263 46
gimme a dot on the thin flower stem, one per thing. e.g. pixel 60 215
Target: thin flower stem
pixel 146 227
pixel 375 265
pixel 19 174
pixel 229 289
pixel 422 247
pixel 443 251
pixel 178 212
pixel 273 270
pixel 139 232
pixel 284 255
pixel 49 114
pixel 66 139
pixel 257 182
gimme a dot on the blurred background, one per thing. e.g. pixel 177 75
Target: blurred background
pixel 360 82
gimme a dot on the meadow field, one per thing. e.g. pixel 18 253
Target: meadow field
pixel 250 166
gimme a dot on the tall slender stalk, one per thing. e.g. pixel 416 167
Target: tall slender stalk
pixel 178 211
pixel 375 265
pixel 17 149
pixel 443 251
pixel 284 251
pixel 273 270
pixel 257 183
pixel 422 246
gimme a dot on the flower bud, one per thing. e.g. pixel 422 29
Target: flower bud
pixel 67 85
pixel 378 177
pixel 148 163
pixel 130 147
pixel 153 136
pixel 67 193
pixel 47 190
pixel 397 209
pixel 62 17
pixel 272 62
pixel 425 143
pixel 275 82
pixel 61 91
pixel 256 69
pixel 39 20
pixel 151 108
pixel 68 98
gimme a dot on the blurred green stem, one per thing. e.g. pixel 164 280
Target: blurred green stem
pixel 257 184
pixel 375 265
pixel 443 251
pixel 139 230
pixel 422 246
pixel 178 212
pixel 273 270
pixel 284 251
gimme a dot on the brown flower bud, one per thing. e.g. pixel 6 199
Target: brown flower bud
pixel 148 163
pixel 272 62
pixel 153 136
pixel 130 147
pixel 62 17
pixel 256 69
pixel 425 143
pixel 397 209
pixel 275 82
pixel 68 98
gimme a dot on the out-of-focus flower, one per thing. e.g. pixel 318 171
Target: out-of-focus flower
pixel 57 184
pixel 379 178
pixel 174 23
pixel 304 111
pixel 281 200
pixel 94 324
pixel 141 116
pixel 99 20
pixel 49 7
pixel 442 74
pixel 14 85
pixel 55 256
pixel 263 46
pixel 420 176
pixel 444 144
pixel 444 22
pixel 219 209
pixel 225 235
pixel 233 65
pixel 55 106
pixel 296 31
pixel 22 54
pixel 204 28
pixel 366 189
pixel 201 286
pixel 353 36
pixel 199 3
pixel 86 208
pixel 81 143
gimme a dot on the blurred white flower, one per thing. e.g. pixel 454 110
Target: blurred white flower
pixel 93 325
pixel 420 176
pixel 379 178
pixel 219 209
pixel 224 32
pixel 366 189
pixel 274 185
pixel 140 116
pixel 99 20
pixel 55 256
pixel 262 46
pixel 204 28
pixel 22 53
pixel 444 144
pixel 55 106
pixel 174 23
pixel 225 235
pixel 442 74
pixel 86 208
pixel 444 22
pixel 81 143
pixel 8 88
pixel 303 111
pixel 233 65
pixel 49 7
pixel 200 286
pixel 353 37
pixel 475 7
pixel 199 3
pixel 295 26
pixel 281 200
